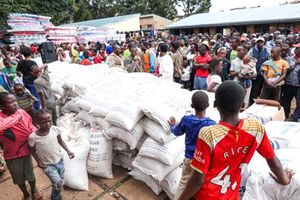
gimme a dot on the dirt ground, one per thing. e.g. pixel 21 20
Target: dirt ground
pixel 121 187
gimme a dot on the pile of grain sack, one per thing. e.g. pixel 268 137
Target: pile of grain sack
pixel 109 116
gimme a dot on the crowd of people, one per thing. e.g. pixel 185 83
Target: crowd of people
pixel 265 65
pixel 239 68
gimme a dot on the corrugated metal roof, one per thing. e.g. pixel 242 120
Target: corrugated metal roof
pixel 154 15
pixel 103 21
pixel 283 13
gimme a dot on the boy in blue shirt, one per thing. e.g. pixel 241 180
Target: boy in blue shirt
pixel 190 125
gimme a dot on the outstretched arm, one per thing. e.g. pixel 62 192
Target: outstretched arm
pixel 64 146
pixel 281 176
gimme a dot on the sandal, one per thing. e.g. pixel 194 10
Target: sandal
pixel 37 195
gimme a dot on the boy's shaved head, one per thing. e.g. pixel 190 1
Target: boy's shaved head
pixel 200 101
pixel 229 97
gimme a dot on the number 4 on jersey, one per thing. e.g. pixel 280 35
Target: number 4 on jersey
pixel 225 183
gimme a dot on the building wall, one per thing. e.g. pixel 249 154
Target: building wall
pixel 132 24
pixel 250 28
pixel 147 22
pixel 160 23
pixel 212 31
pixel 154 22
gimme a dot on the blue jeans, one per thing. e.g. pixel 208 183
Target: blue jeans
pixel 32 90
pixel 200 83
pixel 55 173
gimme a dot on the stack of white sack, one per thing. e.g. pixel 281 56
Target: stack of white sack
pixel 258 184
pixel 131 110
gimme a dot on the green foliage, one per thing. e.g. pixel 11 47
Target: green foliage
pixel 66 11
pixel 61 11
pixel 194 6
pixel 82 11
pixel 106 8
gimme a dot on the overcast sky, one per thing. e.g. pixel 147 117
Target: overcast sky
pixel 218 5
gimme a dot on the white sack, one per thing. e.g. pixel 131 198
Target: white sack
pixel 166 153
pixel 260 185
pixel 171 182
pixel 284 134
pixel 148 180
pixel 126 115
pixel 102 123
pixel 156 131
pixel 83 115
pixel 71 106
pixel 76 176
pixel 154 168
pixel 130 137
pixel 141 141
pixel 100 157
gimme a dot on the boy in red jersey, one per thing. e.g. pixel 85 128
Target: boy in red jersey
pixel 223 151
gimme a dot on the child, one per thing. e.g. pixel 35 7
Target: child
pixel 214 78
pixel 9 69
pixel 185 77
pixel 15 128
pixel 45 147
pixel 223 151
pixel 43 88
pixel 248 66
pixel 86 60
pixel 24 98
pixel 274 73
pixel 190 125
pixel 248 70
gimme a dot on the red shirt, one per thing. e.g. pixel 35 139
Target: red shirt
pixel 86 62
pixel 202 60
pixel 97 59
pixel 223 152
pixel 21 129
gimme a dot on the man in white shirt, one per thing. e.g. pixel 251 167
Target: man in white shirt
pixel 165 63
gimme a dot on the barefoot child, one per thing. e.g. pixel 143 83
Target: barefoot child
pixel 45 147
pixel 223 151
pixel 15 128
pixel 190 126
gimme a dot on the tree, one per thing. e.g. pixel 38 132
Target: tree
pixel 106 8
pixel 194 6
pixel 83 13
pixel 61 11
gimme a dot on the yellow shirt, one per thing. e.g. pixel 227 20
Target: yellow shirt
pixel 75 55
pixel 281 65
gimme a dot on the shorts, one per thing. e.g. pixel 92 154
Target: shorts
pixel 21 169
pixel 185 177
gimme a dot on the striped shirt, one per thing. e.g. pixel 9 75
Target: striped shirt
pixel 25 101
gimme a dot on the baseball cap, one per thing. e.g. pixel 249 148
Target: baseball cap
pixel 260 39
